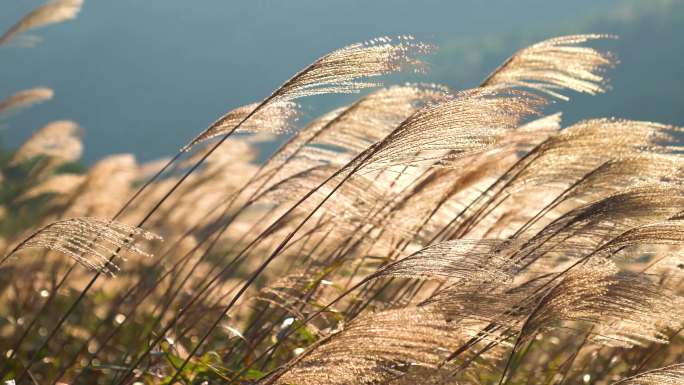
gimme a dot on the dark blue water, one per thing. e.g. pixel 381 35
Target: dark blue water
pixel 144 76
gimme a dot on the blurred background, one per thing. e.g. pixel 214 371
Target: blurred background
pixel 145 76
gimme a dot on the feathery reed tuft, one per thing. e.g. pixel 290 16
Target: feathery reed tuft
pixel 54 11
pixel 556 64
pixel 92 242
pixel 276 117
pixel 25 98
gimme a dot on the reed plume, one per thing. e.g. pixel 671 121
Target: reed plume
pixel 556 64
pixel 673 374
pixel 276 117
pixel 58 141
pixel 55 11
pixel 89 241
pixel 26 98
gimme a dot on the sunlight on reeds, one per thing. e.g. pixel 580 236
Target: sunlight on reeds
pixel 418 235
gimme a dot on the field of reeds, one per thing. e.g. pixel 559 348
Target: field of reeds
pixel 419 235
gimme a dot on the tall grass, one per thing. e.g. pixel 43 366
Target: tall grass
pixel 418 235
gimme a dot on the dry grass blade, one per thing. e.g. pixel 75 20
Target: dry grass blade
pixel 463 261
pixel 535 132
pixel 585 228
pixel 460 178
pixel 669 375
pixel 303 137
pixel 343 70
pixel 49 13
pixel 468 123
pixel 299 293
pixel 276 117
pixel 595 158
pixel 373 117
pixel 608 178
pixel 497 303
pixel 555 64
pixel 376 348
pixel 636 312
pixel 669 232
pixel 350 130
pixel 621 173
pixel 89 241
pixel 354 200
pixel 26 98
pixel 625 309
pixel 584 146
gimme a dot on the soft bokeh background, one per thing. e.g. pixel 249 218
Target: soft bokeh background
pixel 144 76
